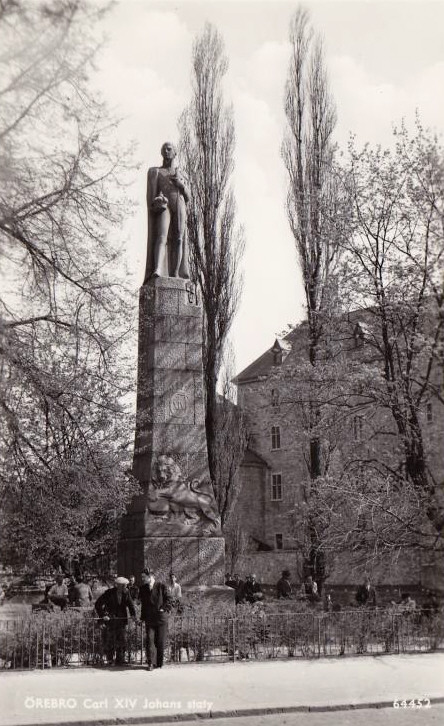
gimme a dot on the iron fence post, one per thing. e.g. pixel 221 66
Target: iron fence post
pixel 233 633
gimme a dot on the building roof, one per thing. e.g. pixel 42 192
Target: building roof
pixel 262 365
pixel 252 458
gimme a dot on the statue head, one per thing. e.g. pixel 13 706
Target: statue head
pixel 166 470
pixel 168 151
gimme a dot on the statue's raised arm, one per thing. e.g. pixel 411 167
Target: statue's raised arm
pixel 167 195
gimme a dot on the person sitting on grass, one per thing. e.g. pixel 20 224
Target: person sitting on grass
pixel 58 593
pixel 311 590
pixel 252 591
pixel 82 594
pixel 283 586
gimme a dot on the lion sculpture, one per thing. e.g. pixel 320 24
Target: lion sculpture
pixel 173 498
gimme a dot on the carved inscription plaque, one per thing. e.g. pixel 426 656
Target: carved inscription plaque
pixel 178 403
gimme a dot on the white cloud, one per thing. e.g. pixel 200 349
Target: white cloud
pixel 144 38
pixel 266 69
pixel 369 107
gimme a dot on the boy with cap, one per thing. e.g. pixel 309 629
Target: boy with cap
pixel 112 607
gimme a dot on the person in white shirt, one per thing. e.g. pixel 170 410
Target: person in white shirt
pixel 174 590
pixel 58 593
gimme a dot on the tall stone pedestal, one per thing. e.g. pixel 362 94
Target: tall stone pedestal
pixel 173 525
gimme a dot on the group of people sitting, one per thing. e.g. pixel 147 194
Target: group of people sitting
pixel 67 592
pixel 365 594
pixel 74 591
pixel 309 590
pixel 248 590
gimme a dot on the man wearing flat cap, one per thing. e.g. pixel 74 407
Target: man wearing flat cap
pixel 156 604
pixel 113 606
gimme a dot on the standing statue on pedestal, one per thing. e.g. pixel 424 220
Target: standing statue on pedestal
pixel 167 196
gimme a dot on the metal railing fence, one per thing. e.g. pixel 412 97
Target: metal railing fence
pixel 47 640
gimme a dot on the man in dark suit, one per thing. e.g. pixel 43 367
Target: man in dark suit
pixel 366 594
pixel 113 606
pixel 156 604
pixel 133 589
pixel 252 591
pixel 283 586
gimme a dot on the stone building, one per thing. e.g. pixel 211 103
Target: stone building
pixel 275 469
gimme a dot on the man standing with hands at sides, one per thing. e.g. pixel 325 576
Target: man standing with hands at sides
pixel 156 604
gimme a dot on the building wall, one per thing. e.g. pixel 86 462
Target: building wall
pixel 267 566
pixel 285 460
pixel 250 505
pixel 266 399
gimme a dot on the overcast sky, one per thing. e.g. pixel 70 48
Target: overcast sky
pixel 385 59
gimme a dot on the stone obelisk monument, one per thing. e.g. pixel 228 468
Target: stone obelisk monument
pixel 174 524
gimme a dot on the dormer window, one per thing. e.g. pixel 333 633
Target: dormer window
pixel 280 350
pixel 277 356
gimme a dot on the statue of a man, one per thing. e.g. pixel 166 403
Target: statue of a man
pixel 167 196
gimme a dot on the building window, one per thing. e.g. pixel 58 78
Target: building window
pixel 429 413
pixel 358 428
pixel 362 529
pixel 275 437
pixel 276 487
pixel 358 336
pixel 274 397
pixel 279 541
